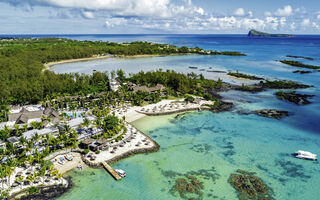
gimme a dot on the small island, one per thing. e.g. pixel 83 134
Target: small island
pixel 245 76
pixel 299 64
pixel 267 84
pixel 255 33
pixel 299 99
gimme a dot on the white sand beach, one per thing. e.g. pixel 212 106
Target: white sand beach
pixel 68 165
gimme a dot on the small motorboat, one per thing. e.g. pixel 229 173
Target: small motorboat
pixel 305 155
pixel 121 172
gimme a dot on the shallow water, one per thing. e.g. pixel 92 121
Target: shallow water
pixel 216 145
pixel 213 146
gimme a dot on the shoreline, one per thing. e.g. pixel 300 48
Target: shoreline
pixel 51 64
pixel 57 190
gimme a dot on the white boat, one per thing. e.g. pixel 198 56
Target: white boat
pixel 305 155
pixel 69 157
pixel 121 172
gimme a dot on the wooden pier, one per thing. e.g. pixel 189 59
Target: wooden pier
pixel 111 171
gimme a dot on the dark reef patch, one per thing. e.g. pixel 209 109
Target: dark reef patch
pixel 201 148
pixel 249 186
pixel 293 170
pixel 189 185
pixel 188 188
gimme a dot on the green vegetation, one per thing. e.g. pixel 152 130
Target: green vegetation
pixel 282 84
pixel 294 97
pixel 189 98
pixel 33 190
pixel 302 72
pixel 246 76
pixel 299 64
pixel 86 151
pixel 177 84
pixel 254 33
pixel 22 79
pixel 228 53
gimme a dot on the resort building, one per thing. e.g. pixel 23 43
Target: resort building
pixel 30 134
pixel 75 123
pixel 26 115
pixel 13 140
pixel 133 87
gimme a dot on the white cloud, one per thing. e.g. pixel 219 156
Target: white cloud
pixel 138 8
pixel 115 21
pixel 284 12
pixel 305 22
pixel 250 13
pixel 239 12
pixel 252 24
pixel 283 21
pixel 272 22
pixel 267 14
pixel 200 11
pixel 318 17
pixel 293 26
pixel 87 14
pixel 316 26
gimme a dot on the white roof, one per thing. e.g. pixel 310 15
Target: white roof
pixel 77 121
pixel 29 134
pixel 29 108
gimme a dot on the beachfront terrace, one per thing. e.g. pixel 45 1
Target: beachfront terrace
pixel 133 140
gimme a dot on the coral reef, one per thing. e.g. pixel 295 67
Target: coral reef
pixel 249 186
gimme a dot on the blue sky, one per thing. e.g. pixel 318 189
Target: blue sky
pixel 158 16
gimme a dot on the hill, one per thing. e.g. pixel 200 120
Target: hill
pixel 254 33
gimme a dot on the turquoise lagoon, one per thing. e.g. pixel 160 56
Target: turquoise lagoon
pixel 213 146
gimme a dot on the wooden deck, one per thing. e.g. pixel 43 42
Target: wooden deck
pixel 111 171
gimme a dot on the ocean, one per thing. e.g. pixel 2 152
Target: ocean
pixel 212 146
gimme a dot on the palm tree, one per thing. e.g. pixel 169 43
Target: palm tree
pixel 22 140
pixel 8 171
pixel 59 176
pixel 43 172
pixel 30 178
pixel 86 122
pixel 34 125
pixel 54 143
pixel 10 148
pixel 16 128
pixel 25 127
pixel 20 180
pixel 29 146
pixel 7 131
pixel 36 137
pixel 2 173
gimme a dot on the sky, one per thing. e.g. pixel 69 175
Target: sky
pixel 159 16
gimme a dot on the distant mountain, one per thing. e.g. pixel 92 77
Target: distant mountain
pixel 254 33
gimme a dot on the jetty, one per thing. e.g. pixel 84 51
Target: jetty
pixel 111 171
